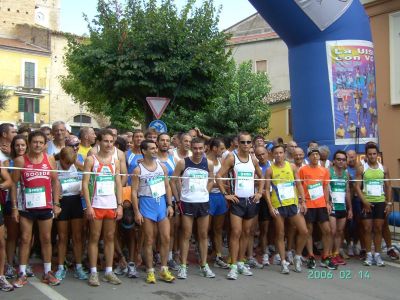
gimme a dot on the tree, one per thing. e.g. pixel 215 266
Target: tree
pixel 146 49
pixel 240 106
pixel 3 97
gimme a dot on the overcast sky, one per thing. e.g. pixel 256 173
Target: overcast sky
pixel 72 21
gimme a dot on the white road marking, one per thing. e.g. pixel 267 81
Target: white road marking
pixel 46 290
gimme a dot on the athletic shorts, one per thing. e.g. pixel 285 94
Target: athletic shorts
pixel 153 209
pixel 245 209
pixel 6 209
pixel 263 213
pixel 217 204
pixel 339 214
pixel 39 215
pixel 1 218
pixel 104 213
pixel 356 205
pixel 288 211
pixel 195 210
pixel 71 208
pixel 319 215
pixel 377 211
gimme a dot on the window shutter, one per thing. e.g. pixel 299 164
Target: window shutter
pixel 21 104
pixel 37 106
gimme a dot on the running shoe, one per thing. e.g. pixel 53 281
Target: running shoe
pixel 285 267
pixel 166 275
pixel 233 273
pixel 289 257
pixel 29 271
pixel 277 259
pixel 244 270
pixel 343 254
pixel 311 263
pixel 60 274
pixel 350 250
pixel 265 259
pixel 94 279
pixel 328 263
pixel 219 263
pixel 132 271
pixel 391 253
pixel 338 260
pixel 5 286
pixel 10 272
pixel 173 265
pixel 20 281
pixel 378 260
pixel 80 274
pixel 253 263
pixel 151 277
pixel 369 260
pixel 50 279
pixel 110 277
pixel 297 263
pixel 206 271
pixel 121 270
pixel 182 272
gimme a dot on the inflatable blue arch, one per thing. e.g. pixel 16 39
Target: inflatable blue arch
pixel 332 70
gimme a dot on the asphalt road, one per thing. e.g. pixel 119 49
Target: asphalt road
pixel 352 281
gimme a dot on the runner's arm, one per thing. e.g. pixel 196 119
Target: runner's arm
pixel 55 183
pixel 88 165
pixel 259 174
pixel 387 186
pixel 175 180
pixel 210 182
pixel 226 165
pixel 7 181
pixel 357 185
pixel 267 194
pixel 123 168
pixel 299 186
pixel 168 189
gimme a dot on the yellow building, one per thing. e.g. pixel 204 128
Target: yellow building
pixel 24 72
pixel 281 119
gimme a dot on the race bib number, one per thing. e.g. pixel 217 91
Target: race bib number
pixel 198 182
pixel 315 190
pixel 35 197
pixel 71 185
pixel 338 197
pixel 105 185
pixel 245 184
pixel 157 186
pixel 374 188
pixel 286 190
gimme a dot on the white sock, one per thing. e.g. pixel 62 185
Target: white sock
pixel 61 267
pixel 93 270
pixel 170 255
pixel 47 267
pixel 108 269
pixel 78 266
pixel 164 268
pixel 22 269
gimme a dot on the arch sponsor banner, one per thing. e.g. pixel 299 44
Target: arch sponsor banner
pixel 351 69
pixel 324 12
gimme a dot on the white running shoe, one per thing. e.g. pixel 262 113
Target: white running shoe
pixel 285 267
pixel 378 260
pixel 233 273
pixel 206 272
pixel 369 260
pixel 277 259
pixel 289 257
pixel 297 263
pixel 182 272
pixel 265 259
pixel 244 270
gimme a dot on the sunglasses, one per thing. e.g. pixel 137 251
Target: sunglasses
pixel 245 142
pixel 340 159
pixel 74 145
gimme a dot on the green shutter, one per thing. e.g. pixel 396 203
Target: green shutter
pixel 21 104
pixel 37 106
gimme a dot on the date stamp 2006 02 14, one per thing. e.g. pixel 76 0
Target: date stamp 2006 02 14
pixel 342 274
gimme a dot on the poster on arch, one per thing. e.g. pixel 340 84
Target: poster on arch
pixel 351 69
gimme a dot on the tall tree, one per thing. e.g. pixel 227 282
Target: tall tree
pixel 146 48
pixel 240 106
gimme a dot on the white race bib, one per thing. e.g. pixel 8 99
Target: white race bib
pixel 157 186
pixel 245 184
pixel 105 185
pixel 315 190
pixel 198 182
pixel 35 197
pixel 374 188
pixel 285 191
pixel 71 185
pixel 338 197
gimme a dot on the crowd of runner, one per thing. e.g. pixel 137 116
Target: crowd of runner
pixel 101 201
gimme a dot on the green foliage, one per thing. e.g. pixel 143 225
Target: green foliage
pixel 3 97
pixel 240 106
pixel 146 48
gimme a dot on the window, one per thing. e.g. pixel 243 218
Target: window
pixel 261 66
pixel 82 119
pixel 29 76
pixel 29 107
pixel 394 34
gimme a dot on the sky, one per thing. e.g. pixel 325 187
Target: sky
pixel 72 20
